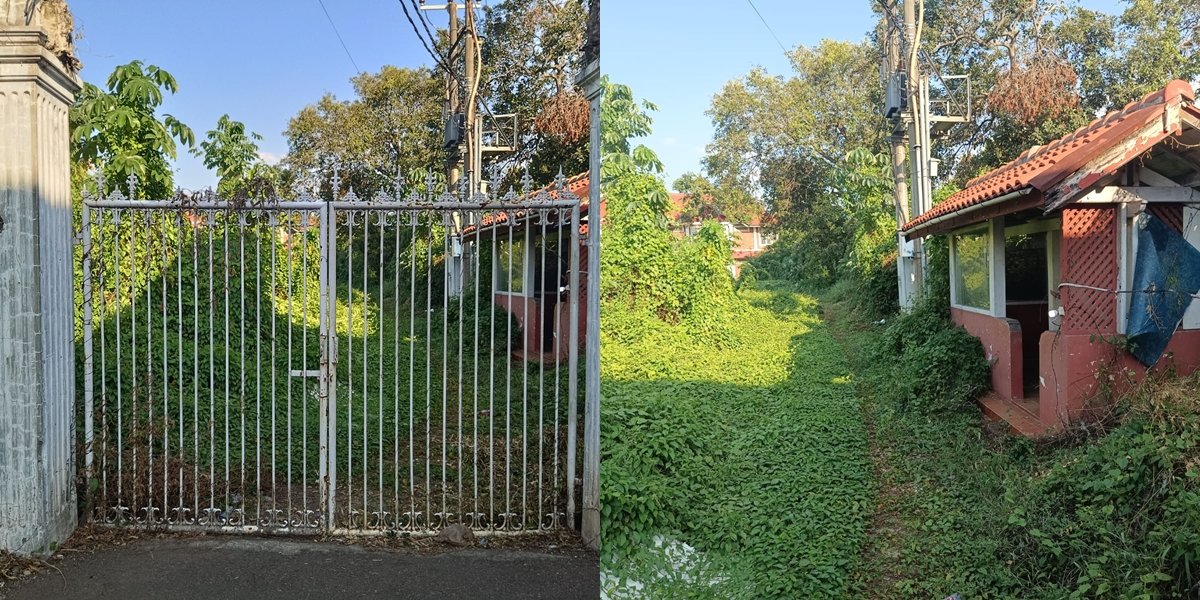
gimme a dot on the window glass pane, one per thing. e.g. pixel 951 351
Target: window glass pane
pixel 971 275
pixel 510 266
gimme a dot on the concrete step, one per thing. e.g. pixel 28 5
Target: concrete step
pixel 1016 413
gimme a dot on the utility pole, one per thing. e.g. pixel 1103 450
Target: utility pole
pixel 461 147
pixel 905 271
pixel 918 152
pixel 454 161
pixel 907 104
pixel 472 119
pixel 908 107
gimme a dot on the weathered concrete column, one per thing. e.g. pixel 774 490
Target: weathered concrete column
pixel 589 80
pixel 37 350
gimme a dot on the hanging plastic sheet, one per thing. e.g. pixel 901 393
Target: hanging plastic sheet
pixel 1166 275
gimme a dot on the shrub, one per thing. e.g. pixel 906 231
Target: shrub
pixel 1119 517
pixel 928 365
pixel 647 269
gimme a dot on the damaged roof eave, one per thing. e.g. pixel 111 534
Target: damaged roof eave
pixel 1067 168
pixel 1012 202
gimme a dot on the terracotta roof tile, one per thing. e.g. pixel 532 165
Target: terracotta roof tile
pixel 579 185
pixel 1043 167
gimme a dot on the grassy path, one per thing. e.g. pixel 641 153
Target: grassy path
pixel 753 451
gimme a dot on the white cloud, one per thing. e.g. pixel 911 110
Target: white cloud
pixel 269 157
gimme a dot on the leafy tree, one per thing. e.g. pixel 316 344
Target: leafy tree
pixel 782 137
pixel 231 151
pixel 706 200
pixel 624 119
pixel 1047 68
pixel 118 130
pixel 785 139
pixel 646 268
pixel 530 53
pixel 391 127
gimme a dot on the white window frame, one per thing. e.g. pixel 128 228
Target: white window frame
pixel 1053 230
pixel 994 235
pixel 526 268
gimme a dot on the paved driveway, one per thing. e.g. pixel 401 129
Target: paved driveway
pixel 268 569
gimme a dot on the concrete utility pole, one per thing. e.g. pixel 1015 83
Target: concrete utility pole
pixel 909 110
pixel 464 147
pixel 453 163
pixel 905 271
pixel 589 80
pixel 918 152
pixel 472 156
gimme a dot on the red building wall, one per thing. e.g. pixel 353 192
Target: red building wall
pixel 1001 340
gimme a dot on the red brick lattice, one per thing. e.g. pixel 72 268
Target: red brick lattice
pixel 1089 257
pixel 1169 213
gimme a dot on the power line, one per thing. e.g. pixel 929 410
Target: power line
pixel 768 26
pixel 437 57
pixel 339 36
pixel 425 23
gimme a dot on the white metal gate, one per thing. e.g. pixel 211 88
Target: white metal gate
pixel 392 364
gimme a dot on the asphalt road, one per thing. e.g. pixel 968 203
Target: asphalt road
pixel 270 569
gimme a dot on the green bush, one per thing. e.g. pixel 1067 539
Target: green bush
pixel 928 365
pixel 1119 517
pixel 646 269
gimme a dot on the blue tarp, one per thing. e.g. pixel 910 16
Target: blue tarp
pixel 1165 276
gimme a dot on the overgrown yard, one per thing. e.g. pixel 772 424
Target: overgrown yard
pixel 750 449
pixel 752 464
pixel 1111 511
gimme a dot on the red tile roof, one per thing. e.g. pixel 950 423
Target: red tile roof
pixel 579 185
pixel 679 205
pixel 1044 168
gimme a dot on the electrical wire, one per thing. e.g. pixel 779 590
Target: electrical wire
pixel 339 36
pixel 437 57
pixel 425 23
pixel 768 26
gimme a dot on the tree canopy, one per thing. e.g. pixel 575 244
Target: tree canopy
pixel 118 130
pixel 392 126
pixel 531 52
pixel 231 151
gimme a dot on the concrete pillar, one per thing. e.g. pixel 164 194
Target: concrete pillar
pixel 589 80
pixel 37 345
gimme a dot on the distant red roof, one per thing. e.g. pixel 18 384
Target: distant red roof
pixel 1045 171
pixel 679 203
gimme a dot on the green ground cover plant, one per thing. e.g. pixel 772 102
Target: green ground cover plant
pixel 752 452
pixel 961 508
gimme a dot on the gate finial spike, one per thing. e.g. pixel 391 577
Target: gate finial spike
pixel 526 183
pixel 98 178
pixel 430 182
pixel 464 187
pixel 336 184
pixel 494 180
pixel 560 181
pixel 132 182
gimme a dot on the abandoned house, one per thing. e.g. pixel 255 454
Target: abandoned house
pixel 1076 264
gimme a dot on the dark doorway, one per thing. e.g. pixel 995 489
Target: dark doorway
pixel 1027 298
pixel 550 277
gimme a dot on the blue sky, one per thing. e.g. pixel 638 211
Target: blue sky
pixel 678 55
pixel 261 61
